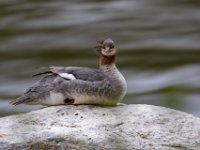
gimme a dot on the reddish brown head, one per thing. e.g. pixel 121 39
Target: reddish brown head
pixel 107 50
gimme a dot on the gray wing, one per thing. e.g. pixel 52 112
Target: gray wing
pixel 80 73
pixel 41 89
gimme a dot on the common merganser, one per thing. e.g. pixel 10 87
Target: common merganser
pixel 80 85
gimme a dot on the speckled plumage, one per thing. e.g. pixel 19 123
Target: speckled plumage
pixel 103 86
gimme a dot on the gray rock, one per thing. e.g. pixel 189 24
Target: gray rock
pixel 130 127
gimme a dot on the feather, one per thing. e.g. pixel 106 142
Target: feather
pixel 38 74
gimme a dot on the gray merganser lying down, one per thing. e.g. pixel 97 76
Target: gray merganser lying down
pixel 80 85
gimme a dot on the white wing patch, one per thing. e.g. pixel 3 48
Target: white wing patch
pixel 67 76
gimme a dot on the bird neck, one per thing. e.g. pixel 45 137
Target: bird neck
pixel 107 60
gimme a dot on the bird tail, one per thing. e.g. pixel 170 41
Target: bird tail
pixel 20 100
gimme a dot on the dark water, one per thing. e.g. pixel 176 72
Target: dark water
pixel 158 42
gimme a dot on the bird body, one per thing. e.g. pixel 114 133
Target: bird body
pixel 80 85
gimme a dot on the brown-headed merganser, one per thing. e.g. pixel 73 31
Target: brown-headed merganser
pixel 80 85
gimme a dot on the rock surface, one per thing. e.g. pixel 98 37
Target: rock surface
pixel 129 127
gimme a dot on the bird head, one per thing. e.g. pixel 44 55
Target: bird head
pixel 107 47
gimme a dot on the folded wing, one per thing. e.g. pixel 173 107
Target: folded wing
pixel 57 76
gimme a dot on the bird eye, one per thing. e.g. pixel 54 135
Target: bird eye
pixel 111 46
